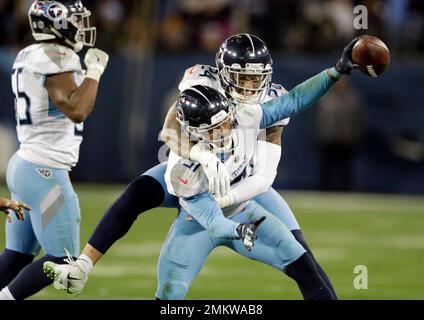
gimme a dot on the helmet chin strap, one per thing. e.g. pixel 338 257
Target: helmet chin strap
pixel 56 33
pixel 228 147
pixel 240 98
pixel 76 46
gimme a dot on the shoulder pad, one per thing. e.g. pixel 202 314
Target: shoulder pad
pixel 283 122
pixel 200 75
pixel 274 91
pixel 52 59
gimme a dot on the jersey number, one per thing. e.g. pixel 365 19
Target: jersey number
pixel 273 90
pixel 22 101
pixel 209 73
pixel 192 166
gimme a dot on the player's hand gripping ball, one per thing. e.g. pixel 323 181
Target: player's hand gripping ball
pixel 371 55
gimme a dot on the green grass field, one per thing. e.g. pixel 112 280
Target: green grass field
pixel 385 233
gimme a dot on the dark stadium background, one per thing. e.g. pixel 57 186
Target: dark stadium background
pixel 366 165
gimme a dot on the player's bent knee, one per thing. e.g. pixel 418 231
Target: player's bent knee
pixel 15 258
pixel 287 247
pixel 299 237
pixel 172 290
pixel 290 252
pixel 219 232
pixel 146 188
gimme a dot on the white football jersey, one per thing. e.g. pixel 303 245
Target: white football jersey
pixel 185 178
pixel 46 135
pixel 208 76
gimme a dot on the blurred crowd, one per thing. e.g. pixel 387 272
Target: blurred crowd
pixel 142 30
pixel 296 26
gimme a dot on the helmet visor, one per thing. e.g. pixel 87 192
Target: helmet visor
pixel 247 84
pixel 218 135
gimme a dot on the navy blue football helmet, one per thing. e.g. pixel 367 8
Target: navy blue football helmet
pixel 206 114
pixel 245 68
pixel 67 22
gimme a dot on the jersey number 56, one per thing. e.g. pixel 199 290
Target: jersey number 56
pixel 22 101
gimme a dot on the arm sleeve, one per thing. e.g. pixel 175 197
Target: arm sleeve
pixel 269 155
pixel 299 98
pixel 204 208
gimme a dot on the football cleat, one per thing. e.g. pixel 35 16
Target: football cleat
pixel 70 277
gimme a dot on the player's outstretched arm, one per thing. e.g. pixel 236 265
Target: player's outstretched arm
pixel 16 206
pixel 77 102
pixel 309 92
pixel 345 65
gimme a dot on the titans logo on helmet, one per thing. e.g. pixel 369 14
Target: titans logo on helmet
pixel 56 11
pixel 52 10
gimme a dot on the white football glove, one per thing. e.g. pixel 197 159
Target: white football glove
pixel 96 61
pixel 215 171
pixel 228 200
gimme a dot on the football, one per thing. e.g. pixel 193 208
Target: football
pixel 372 55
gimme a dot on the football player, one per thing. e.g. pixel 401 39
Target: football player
pixel 53 96
pixel 239 58
pixel 201 226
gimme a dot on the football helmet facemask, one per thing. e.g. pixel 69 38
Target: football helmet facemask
pixel 245 68
pixel 66 21
pixel 205 114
